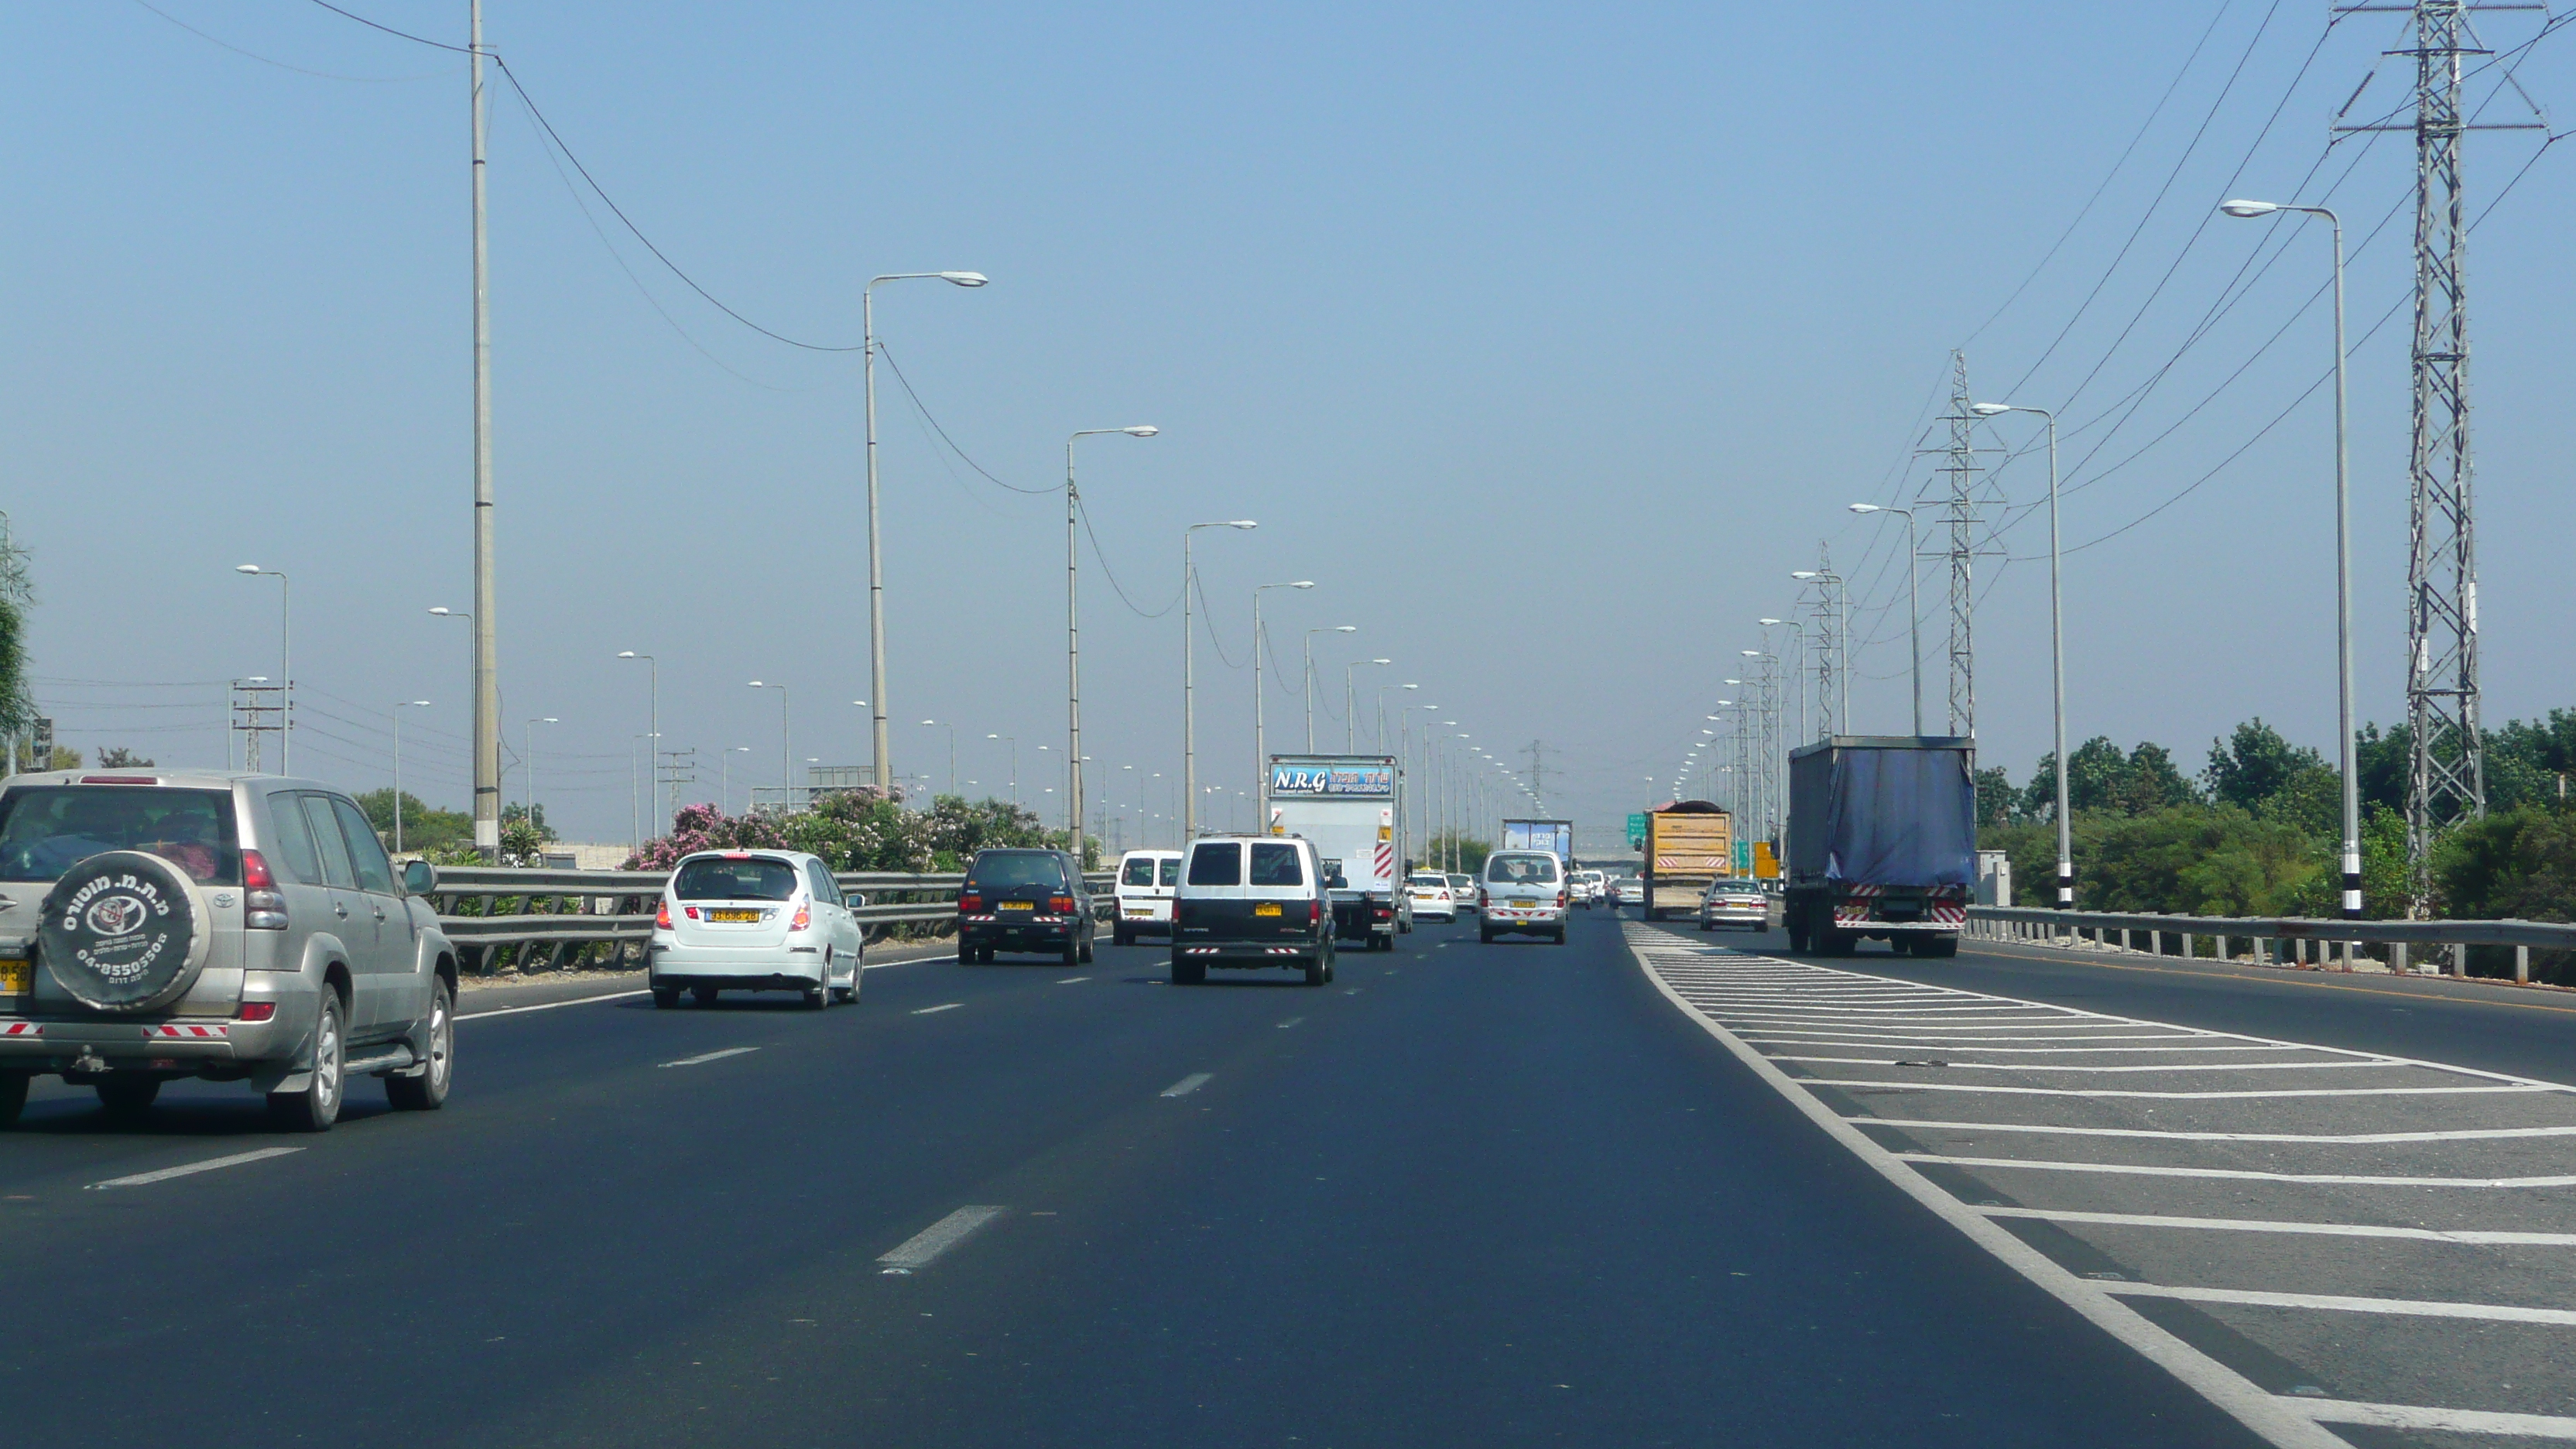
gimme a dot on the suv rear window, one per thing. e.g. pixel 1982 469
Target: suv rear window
pixel 1275 864
pixel 712 878
pixel 1522 869
pixel 47 829
pixel 1217 864
pixel 1002 869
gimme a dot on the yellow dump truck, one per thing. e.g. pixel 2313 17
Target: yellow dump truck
pixel 1689 843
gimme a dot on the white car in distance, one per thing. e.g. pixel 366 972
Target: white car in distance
pixel 1432 895
pixel 755 920
pixel 1147 882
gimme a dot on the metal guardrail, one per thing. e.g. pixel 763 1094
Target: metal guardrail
pixel 561 911
pixel 2297 932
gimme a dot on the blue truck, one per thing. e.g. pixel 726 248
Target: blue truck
pixel 1882 843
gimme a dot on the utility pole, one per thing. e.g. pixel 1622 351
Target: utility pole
pixel 1962 469
pixel 487 692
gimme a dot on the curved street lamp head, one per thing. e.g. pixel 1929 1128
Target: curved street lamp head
pixel 1766 623
pixel 1867 508
pixel 1141 430
pixel 2243 209
pixel 246 569
pixel 1989 410
pixel 1802 573
pixel 1242 523
pixel 622 653
pixel 756 684
pixel 1381 661
pixel 965 279
pixel 930 721
pixel 541 719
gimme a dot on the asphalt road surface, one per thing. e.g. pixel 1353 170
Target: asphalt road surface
pixel 1466 1194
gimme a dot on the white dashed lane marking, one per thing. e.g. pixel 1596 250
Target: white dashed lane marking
pixel 943 1006
pixel 1187 1085
pixel 703 1057
pixel 927 1246
pixel 210 1164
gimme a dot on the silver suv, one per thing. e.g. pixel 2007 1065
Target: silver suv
pixel 239 928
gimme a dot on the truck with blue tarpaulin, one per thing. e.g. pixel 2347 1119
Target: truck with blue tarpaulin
pixel 1882 843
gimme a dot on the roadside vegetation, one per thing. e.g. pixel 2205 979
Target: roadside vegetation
pixel 2254 832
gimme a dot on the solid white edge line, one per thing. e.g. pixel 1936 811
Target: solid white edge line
pixel 2339 1303
pixel 714 1056
pixel 925 1247
pixel 1997 1089
pixel 1188 1084
pixel 2157 1067
pixel 2471 1237
pixel 2464 1421
pixel 2233 1393
pixel 189 1169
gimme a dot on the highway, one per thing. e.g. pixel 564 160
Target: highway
pixel 1467 1194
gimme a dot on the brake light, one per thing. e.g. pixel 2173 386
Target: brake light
pixel 1481 897
pixel 120 780
pixel 691 912
pixel 263 909
pixel 1061 905
pixel 804 918
pixel 1385 912
pixel 970 903
pixel 737 855
pixel 258 1010
pixel 1560 900
pixel 662 917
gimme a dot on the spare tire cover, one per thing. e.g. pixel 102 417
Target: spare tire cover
pixel 124 931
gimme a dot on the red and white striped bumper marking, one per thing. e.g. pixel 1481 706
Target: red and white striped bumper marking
pixel 189 1032
pixel 22 1028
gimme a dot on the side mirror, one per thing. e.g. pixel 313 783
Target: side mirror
pixel 420 878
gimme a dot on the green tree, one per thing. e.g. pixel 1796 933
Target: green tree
pixel 2255 763
pixel 2513 864
pixel 17 597
pixel 521 815
pixel 2153 783
pixel 423 829
pixel 1998 803
pixel 1471 852
pixel 117 757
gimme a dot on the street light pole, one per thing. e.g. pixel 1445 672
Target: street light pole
pixel 1350 704
pixel 2351 851
pixel 1073 626
pixel 653 724
pixel 1913 604
pixel 876 569
pixel 2057 653
pixel 487 679
pixel 286 665
pixel 952 752
pixel 786 756
pixel 724 775
pixel 1260 711
pixel 396 712
pixel 1190 670
pixel 1310 674
pixel 530 730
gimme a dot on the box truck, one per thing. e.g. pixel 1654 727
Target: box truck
pixel 1882 843
pixel 1352 808
pixel 1549 835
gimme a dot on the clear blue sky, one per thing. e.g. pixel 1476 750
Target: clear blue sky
pixel 1546 338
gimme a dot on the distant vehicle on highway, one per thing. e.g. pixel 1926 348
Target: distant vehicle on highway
pixel 240 928
pixel 1248 902
pixel 1735 903
pixel 1590 888
pixel 1432 895
pixel 1462 892
pixel 1626 890
pixel 1024 900
pixel 1147 880
pixel 1883 843
pixel 1524 893
pixel 754 920
pixel 1688 844
pixel 1352 808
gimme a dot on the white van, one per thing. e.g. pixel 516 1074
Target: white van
pixel 1524 892
pixel 1147 881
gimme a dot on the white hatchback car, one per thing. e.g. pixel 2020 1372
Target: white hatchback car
pixel 1433 897
pixel 1147 881
pixel 1590 888
pixel 755 920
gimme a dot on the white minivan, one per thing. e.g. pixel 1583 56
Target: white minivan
pixel 1147 881
pixel 1524 892
pixel 755 920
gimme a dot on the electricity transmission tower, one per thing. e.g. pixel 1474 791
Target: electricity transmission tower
pixel 2446 764
pixel 1962 519
pixel 1537 771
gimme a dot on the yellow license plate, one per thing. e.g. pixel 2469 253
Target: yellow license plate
pixel 1017 906
pixel 1523 905
pixel 733 915
pixel 1143 913
pixel 17 978
pixel 1266 908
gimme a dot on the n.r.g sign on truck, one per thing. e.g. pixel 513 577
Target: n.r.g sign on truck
pixel 1352 808
pixel 1882 843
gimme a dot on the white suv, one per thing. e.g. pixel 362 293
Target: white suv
pixel 755 920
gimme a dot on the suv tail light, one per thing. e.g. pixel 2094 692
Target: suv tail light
pixel 263 908
pixel 257 1011
pixel 1061 905
pixel 1314 912
pixel 662 917
pixel 803 920
pixel 970 903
